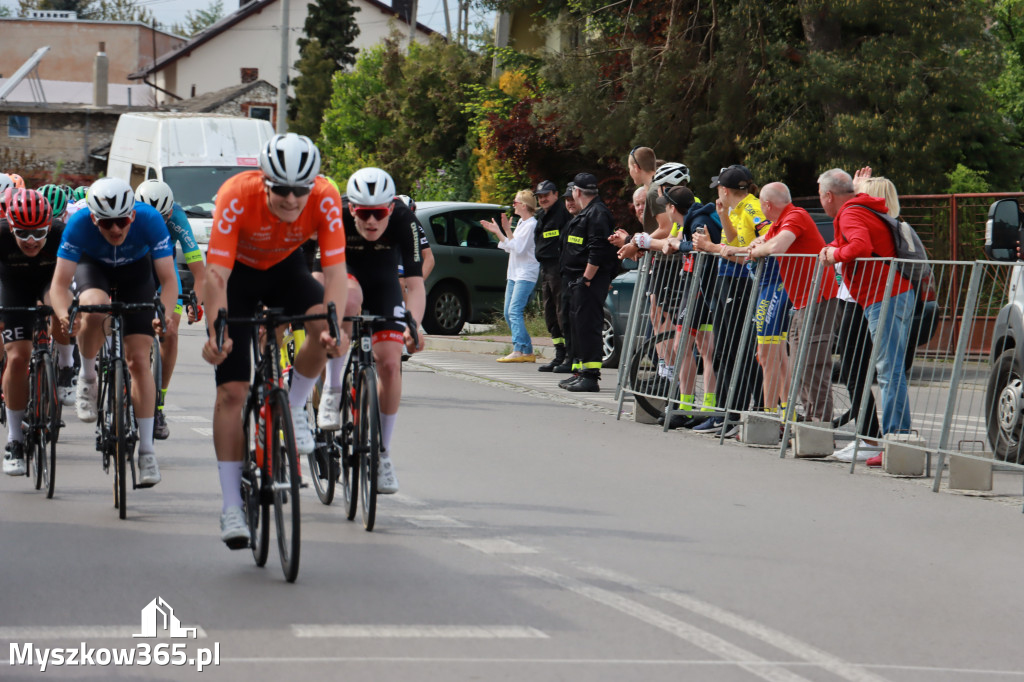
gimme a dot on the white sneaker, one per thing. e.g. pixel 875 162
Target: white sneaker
pixel 85 399
pixel 845 454
pixel 149 471
pixel 328 416
pixel 66 386
pixel 387 481
pixel 14 459
pixel 233 529
pixel 303 434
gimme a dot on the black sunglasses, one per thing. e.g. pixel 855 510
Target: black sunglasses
pixel 375 213
pixel 285 190
pixel 111 223
pixel 632 153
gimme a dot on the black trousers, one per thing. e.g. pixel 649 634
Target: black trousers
pixel 855 360
pixel 587 314
pixel 551 294
pixel 732 296
pixel 565 318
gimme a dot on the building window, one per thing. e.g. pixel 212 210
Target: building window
pixel 260 112
pixel 17 126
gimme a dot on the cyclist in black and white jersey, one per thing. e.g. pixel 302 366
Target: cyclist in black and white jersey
pixel 380 235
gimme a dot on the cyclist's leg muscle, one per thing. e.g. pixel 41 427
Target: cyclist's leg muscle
pixel 227 420
pixel 16 376
pixel 136 352
pixel 388 356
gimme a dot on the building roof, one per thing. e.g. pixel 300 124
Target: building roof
pixel 214 100
pixel 137 24
pixel 77 92
pixel 243 12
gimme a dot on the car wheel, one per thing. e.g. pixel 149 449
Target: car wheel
pixel 1004 404
pixel 447 310
pixel 610 344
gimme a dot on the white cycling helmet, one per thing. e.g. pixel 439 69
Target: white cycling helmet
pixel 291 160
pixel 157 194
pixel 671 174
pixel 6 182
pixel 370 187
pixel 111 198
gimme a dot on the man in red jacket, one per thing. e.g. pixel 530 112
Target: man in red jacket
pixel 859 233
pixel 793 232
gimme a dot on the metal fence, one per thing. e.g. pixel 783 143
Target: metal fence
pixel 792 361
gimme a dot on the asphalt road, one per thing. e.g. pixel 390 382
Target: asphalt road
pixel 535 538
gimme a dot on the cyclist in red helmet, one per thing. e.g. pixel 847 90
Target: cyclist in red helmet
pixel 29 237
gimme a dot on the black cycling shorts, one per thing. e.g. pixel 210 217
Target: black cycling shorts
pixel 129 283
pixel 382 295
pixel 21 294
pixel 287 285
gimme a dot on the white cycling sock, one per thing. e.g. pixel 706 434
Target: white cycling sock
pixel 14 418
pixel 65 354
pixel 145 435
pixel 88 373
pixel 335 366
pixel 302 386
pixel 387 427
pixel 230 484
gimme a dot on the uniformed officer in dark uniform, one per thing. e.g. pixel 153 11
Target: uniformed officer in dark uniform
pixel 547 239
pixel 589 259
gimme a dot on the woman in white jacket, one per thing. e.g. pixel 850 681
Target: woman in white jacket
pixel 523 270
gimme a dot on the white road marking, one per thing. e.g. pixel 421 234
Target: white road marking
pixel 434 521
pixel 402 498
pixel 80 632
pixel 749 661
pixel 497 546
pixel 203 431
pixel 168 407
pixel 779 640
pixel 187 418
pixel 419 631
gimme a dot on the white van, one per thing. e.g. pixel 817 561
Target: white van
pixel 193 153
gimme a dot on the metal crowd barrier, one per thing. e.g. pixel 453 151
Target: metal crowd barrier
pixel 819 373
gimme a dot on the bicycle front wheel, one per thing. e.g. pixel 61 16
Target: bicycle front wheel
pixel 321 469
pixel 119 398
pixel 368 444
pixel 644 381
pixel 255 504
pixel 285 484
pixel 49 422
pixel 348 460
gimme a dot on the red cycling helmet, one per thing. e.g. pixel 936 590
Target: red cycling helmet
pixel 28 209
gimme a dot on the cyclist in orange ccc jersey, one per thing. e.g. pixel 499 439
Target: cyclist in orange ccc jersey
pixel 260 221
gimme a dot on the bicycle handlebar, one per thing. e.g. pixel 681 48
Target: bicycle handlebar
pixel 272 317
pixel 407 319
pixel 116 308
pixel 40 310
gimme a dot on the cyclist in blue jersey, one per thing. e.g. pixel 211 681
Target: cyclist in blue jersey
pixel 159 195
pixel 111 250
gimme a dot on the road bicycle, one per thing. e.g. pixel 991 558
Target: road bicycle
pixel 270 465
pixel 42 422
pixel 116 430
pixel 156 363
pixel 353 458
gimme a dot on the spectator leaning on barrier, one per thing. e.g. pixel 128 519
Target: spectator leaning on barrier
pixel 547 236
pixel 589 258
pixel 793 232
pixel 861 234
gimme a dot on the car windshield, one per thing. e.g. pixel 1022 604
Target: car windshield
pixel 195 186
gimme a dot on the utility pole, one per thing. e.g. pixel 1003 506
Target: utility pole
pixel 282 88
pixel 447 21
pixel 412 21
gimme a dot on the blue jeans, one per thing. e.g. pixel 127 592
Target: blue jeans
pixel 891 343
pixel 517 294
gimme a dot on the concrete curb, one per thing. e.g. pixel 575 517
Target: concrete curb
pixel 485 345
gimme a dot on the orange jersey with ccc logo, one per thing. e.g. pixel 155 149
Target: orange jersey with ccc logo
pixel 244 229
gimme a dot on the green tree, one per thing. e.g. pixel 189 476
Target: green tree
pixel 330 29
pixel 5 11
pixel 122 10
pixel 200 19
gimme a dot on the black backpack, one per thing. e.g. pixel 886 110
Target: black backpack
pixel 909 247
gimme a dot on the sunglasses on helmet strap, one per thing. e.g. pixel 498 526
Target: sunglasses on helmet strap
pixel 367 212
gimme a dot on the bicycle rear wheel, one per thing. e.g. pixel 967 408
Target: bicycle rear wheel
pixel 643 374
pixel 119 409
pixel 368 444
pixel 349 459
pixel 285 484
pixel 255 505
pixel 321 470
pixel 34 426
